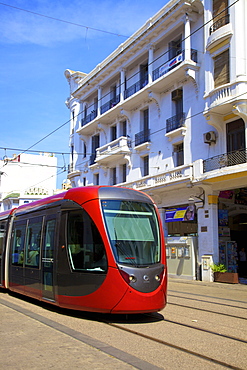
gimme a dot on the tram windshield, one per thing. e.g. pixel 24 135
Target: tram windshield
pixel 133 231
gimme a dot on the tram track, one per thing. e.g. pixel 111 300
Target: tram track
pixel 180 348
pixel 211 301
pixel 102 346
pixel 209 311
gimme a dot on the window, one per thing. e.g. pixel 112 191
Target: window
pixel 220 14
pixel 95 104
pixel 175 47
pixel 113 176
pixel 84 150
pixel 221 69
pixel 2 237
pixel 133 231
pixel 124 172
pixel 145 120
pixel 18 243
pixel 145 165
pixel 235 135
pixel 123 128
pixel 95 145
pixel 32 243
pixel 113 133
pixel 143 74
pixel 85 245
pixel 179 154
pixel 113 94
pixel 96 179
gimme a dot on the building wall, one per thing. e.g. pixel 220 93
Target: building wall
pixel 25 178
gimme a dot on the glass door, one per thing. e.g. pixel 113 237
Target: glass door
pixel 48 259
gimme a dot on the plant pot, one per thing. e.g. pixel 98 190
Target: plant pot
pixel 226 277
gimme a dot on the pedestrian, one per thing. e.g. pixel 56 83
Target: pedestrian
pixel 242 263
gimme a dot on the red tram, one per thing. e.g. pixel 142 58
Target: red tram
pixel 97 248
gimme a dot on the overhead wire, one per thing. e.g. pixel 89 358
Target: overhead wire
pixel 64 21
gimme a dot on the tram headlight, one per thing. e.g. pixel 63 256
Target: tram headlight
pixel 157 277
pixel 128 278
pixel 132 279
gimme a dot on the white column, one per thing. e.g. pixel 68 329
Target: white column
pixel 150 63
pixel 122 84
pixel 187 43
pixel 99 99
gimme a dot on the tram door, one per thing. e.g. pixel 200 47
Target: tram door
pixel 48 258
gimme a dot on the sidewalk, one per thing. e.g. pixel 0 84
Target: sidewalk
pixel 239 286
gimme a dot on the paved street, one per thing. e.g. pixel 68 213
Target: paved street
pixel 203 325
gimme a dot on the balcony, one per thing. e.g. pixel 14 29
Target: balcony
pixel 142 137
pixel 175 122
pixel 221 99
pixel 225 160
pixel 172 63
pixel 219 23
pixel 110 104
pixel 135 88
pixel 72 172
pixel 89 118
pixel 114 150
pixel 172 177
pixel 165 70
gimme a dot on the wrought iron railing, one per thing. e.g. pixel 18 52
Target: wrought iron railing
pixel 170 64
pixel 89 118
pixel 110 104
pixel 225 160
pixel 135 87
pixel 219 23
pixel 142 137
pixel 175 122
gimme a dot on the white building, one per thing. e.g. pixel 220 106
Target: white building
pixel 166 113
pixel 25 178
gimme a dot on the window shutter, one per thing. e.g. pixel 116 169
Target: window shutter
pixel 221 69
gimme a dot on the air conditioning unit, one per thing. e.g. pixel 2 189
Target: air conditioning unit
pixel 209 137
pixel 177 94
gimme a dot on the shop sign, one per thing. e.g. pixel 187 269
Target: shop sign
pixel 180 214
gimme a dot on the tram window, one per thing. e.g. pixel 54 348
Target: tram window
pixel 85 246
pixel 2 233
pixel 18 244
pixel 133 231
pixel 32 245
pixel 49 239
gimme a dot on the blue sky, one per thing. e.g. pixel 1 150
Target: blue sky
pixel 35 52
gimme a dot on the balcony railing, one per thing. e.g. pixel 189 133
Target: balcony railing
pixel 219 23
pixel 225 160
pixel 142 137
pixel 170 64
pixel 175 122
pixel 89 118
pixel 136 87
pixel 181 173
pixel 110 104
pixel 158 72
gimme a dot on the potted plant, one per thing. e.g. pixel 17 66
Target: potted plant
pixel 221 275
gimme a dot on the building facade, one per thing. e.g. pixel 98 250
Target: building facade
pixel 166 113
pixel 25 178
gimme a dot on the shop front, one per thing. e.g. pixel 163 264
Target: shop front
pixel 232 217
pixel 181 242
